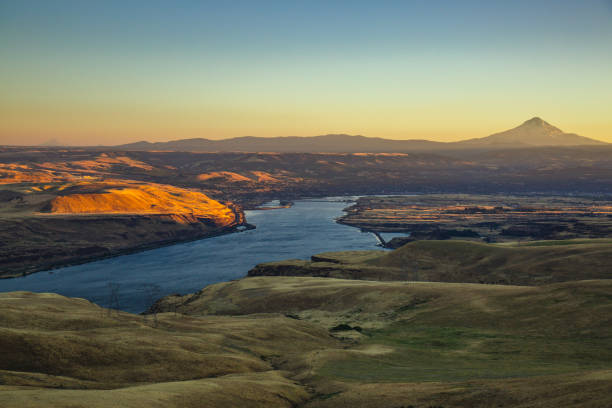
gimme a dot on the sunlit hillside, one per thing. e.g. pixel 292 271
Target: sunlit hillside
pixel 143 199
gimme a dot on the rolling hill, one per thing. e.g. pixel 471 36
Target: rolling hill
pixel 535 263
pixel 319 342
pixel 430 344
pixel 315 343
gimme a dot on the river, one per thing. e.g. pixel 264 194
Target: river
pixel 306 228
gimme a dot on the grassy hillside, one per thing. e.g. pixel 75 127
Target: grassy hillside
pixel 455 345
pixel 315 342
pixel 261 390
pixel 57 351
pixel 475 262
pixel 320 342
pixel 460 261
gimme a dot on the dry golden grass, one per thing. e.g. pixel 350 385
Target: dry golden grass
pixel 369 303
pixel 143 199
pixel 225 175
pixel 106 162
pixel 585 390
pixel 428 344
pixel 263 177
pixel 266 389
pixel 11 173
pixel 411 343
pixel 323 342
pixel 57 351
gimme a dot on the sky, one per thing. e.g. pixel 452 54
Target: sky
pixel 108 72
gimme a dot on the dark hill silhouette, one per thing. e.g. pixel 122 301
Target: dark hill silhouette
pixel 335 143
pixel 532 133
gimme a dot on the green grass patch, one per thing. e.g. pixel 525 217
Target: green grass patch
pixel 423 353
pixel 565 242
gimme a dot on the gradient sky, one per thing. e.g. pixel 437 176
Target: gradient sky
pixel 107 72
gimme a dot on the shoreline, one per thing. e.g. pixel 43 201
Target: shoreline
pixel 80 260
pixel 486 218
pixel 132 250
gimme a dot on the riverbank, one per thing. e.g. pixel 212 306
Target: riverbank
pixel 482 218
pixel 113 236
pixel 454 261
pixel 66 223
pixel 307 227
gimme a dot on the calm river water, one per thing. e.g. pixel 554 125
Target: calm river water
pixel 298 232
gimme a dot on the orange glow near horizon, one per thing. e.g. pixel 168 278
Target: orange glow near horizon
pixel 105 73
pixel 90 127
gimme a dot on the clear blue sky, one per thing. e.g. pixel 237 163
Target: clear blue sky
pixel 91 72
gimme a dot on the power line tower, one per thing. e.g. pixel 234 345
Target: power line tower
pixel 152 294
pixel 113 300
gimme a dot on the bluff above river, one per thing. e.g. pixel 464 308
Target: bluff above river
pixel 68 223
pixel 535 263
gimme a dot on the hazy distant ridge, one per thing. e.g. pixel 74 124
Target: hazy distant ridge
pixel 534 132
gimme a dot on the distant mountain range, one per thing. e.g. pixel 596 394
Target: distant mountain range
pixel 533 133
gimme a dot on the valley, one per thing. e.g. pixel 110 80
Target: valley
pixel 496 290
pixel 316 342
pixel 50 190
pixel 307 204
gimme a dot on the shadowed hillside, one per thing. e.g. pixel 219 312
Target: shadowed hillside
pixel 459 261
pixel 534 263
pixel 62 352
